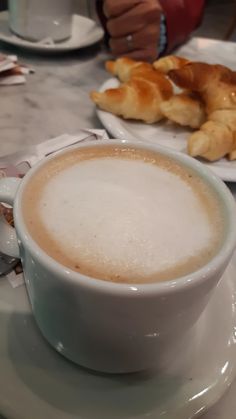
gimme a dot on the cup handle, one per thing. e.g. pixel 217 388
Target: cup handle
pixel 8 239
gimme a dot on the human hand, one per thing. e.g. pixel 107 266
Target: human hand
pixel 134 27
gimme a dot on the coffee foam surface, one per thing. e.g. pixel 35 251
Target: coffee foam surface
pixel 124 220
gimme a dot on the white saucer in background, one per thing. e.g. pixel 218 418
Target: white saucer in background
pixel 85 32
pixel 36 381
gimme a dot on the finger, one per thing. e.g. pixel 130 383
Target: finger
pixel 133 21
pixel 147 36
pixel 148 54
pixel 115 8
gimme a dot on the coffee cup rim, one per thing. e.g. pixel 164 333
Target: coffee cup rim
pixel 163 287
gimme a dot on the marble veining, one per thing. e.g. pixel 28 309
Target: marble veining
pixel 54 100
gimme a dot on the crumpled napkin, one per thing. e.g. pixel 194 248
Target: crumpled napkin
pixel 11 71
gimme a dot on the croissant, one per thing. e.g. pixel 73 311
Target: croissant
pixel 216 137
pixel 215 83
pixel 137 99
pixel 184 109
pixel 124 68
pixel 141 94
pixel 212 142
pixel 170 62
pixel 226 117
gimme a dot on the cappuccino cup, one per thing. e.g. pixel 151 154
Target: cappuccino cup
pixel 122 245
pixel 38 20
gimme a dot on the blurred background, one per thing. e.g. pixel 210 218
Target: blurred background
pixel 219 21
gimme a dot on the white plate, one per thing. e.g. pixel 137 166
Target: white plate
pixel 85 32
pixel 162 133
pixel 36 382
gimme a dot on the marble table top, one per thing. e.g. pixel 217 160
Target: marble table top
pixel 55 100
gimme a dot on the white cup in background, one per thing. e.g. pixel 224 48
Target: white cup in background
pixel 36 20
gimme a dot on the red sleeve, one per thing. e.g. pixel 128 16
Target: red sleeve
pixel 182 17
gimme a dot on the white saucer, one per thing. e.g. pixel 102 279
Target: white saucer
pixel 36 382
pixel 85 32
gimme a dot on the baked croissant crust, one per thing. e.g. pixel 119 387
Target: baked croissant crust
pixel 216 85
pixel 170 62
pixel 232 154
pixel 141 94
pixel 213 141
pixel 216 137
pixel 184 109
pixel 125 68
pixel 137 99
pixel 207 103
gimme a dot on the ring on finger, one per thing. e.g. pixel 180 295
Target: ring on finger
pixel 129 42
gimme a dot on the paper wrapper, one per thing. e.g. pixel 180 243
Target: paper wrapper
pixel 11 71
pixel 18 164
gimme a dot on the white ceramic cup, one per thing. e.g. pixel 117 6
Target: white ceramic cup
pixel 108 326
pixel 36 20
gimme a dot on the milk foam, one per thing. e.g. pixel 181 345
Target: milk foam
pixel 126 218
